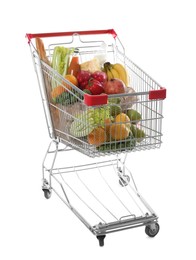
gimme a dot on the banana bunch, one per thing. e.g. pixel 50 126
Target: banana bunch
pixel 117 71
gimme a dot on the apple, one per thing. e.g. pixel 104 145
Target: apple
pixel 83 77
pixel 114 86
pixel 101 76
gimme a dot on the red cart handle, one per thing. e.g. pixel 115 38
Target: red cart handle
pixel 158 93
pixel 56 34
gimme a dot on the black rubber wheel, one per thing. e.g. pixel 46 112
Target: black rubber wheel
pixel 47 193
pixel 124 181
pixel 101 240
pixel 152 232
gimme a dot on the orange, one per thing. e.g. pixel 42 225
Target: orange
pixel 71 78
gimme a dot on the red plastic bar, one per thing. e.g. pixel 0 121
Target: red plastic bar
pixel 57 34
pixel 157 94
pixel 95 100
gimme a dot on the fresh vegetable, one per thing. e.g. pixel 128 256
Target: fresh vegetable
pixel 60 62
pixel 82 126
pixel 101 76
pixel 83 77
pixel 74 66
pixel 97 136
pixel 57 92
pixel 60 59
pixel 88 120
pixel 95 87
pixel 87 91
pixel 66 98
pixel 114 86
pixel 91 65
pixel 122 145
pixel 99 115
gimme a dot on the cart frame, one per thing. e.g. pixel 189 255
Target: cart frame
pixel 100 230
pixel 152 95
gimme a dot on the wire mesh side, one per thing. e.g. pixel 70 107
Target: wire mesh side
pixel 80 126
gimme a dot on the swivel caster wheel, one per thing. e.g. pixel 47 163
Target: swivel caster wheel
pixel 47 193
pixel 152 230
pixel 101 240
pixel 46 189
pixel 124 180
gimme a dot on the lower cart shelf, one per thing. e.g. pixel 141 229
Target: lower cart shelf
pixel 102 194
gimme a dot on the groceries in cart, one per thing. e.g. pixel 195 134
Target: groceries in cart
pixel 111 126
pixel 98 100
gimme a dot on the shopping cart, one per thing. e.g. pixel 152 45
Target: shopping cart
pixel 101 192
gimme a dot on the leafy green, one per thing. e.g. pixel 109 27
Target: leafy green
pixel 60 62
pixel 66 98
pixel 87 120
pixel 123 145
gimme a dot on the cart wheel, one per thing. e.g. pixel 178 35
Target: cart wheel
pixel 101 240
pixel 152 231
pixel 124 181
pixel 47 193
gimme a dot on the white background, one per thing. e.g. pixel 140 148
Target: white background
pixel 159 36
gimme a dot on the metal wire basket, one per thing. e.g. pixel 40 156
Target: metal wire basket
pixel 86 112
